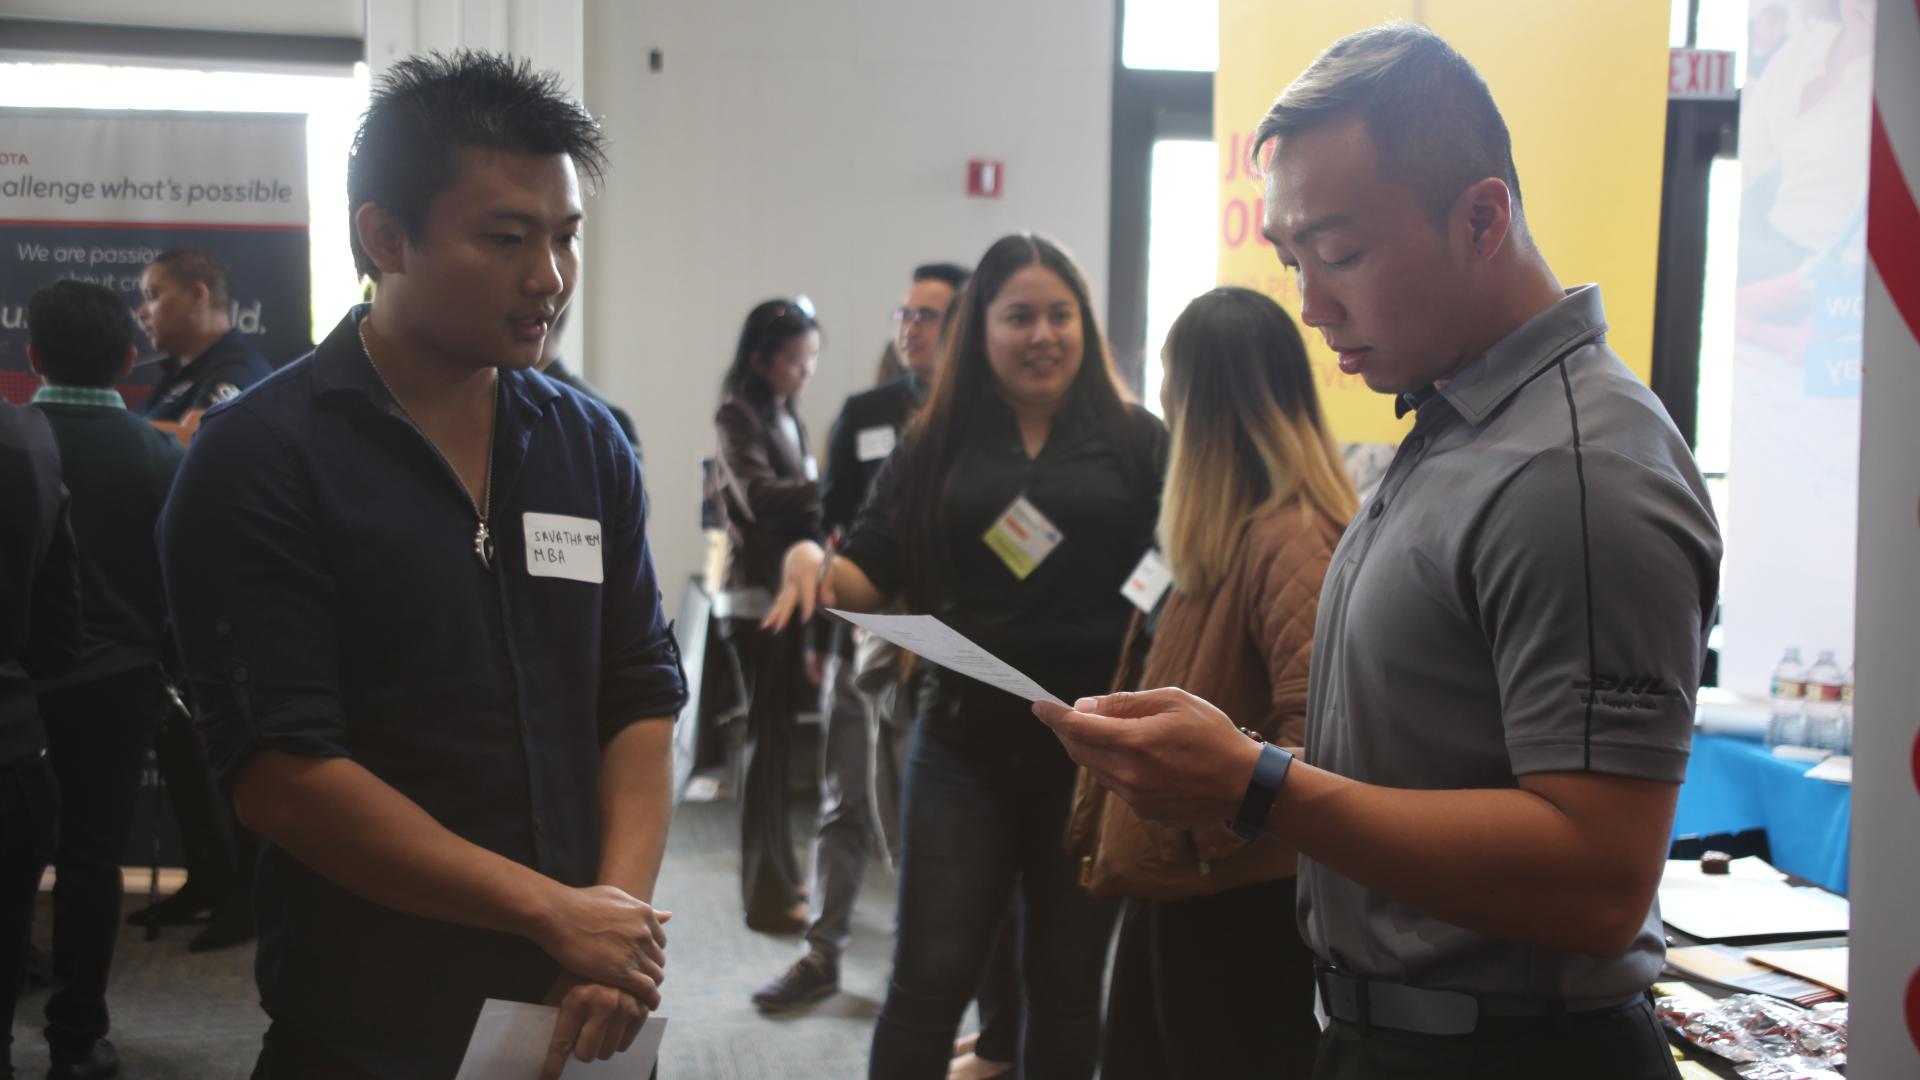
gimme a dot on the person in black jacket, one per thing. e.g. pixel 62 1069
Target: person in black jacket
pixel 769 486
pixel 1015 509
pixel 99 716
pixel 863 436
pixel 185 308
pixel 39 638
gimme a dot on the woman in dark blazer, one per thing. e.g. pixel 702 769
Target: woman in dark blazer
pixel 769 486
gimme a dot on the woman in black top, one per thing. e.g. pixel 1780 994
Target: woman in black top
pixel 1026 421
pixel 769 486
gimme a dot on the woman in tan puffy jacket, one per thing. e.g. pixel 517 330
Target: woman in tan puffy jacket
pixel 1211 978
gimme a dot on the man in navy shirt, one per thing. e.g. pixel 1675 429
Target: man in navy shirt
pixel 412 588
pixel 186 297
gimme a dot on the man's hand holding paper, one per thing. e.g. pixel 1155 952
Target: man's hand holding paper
pixel 1174 758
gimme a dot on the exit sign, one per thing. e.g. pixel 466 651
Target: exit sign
pixel 1700 75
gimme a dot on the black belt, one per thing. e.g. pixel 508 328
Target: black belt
pixel 1369 1003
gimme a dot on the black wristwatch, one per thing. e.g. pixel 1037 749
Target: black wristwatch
pixel 1268 774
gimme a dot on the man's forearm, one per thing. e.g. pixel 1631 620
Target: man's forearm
pixel 356 830
pixel 636 805
pixel 1506 862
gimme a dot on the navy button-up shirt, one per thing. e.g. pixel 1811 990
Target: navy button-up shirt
pixel 320 567
pixel 228 367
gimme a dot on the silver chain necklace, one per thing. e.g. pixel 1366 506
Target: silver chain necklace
pixel 482 538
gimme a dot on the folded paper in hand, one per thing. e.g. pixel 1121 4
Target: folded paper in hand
pixel 510 1042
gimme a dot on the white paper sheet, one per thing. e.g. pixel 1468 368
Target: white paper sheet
pixel 510 1043
pixel 1837 770
pixel 928 637
pixel 1751 901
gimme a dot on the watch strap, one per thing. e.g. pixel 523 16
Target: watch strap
pixel 1269 773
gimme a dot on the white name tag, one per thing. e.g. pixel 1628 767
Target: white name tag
pixel 810 468
pixel 1148 582
pixel 560 546
pixel 874 443
pixel 1023 537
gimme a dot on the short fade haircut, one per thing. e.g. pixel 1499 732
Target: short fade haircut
pixel 427 109
pixel 1432 119
pixel 81 333
pixel 952 273
pixel 192 266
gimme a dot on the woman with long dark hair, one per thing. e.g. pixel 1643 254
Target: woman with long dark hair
pixel 1014 509
pixel 769 486
pixel 1211 977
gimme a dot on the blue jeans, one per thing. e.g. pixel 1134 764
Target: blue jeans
pixel 971 841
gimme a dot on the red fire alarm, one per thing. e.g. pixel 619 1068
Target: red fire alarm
pixel 985 179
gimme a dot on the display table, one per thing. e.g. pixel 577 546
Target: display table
pixel 1735 784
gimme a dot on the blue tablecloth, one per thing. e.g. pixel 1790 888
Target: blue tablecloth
pixel 1735 784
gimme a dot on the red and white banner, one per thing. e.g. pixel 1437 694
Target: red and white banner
pixel 1885 981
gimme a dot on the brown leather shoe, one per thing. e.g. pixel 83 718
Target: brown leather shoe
pixel 791 921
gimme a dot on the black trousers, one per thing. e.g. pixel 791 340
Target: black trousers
pixel 190 795
pixel 29 835
pixel 97 738
pixel 286 1054
pixel 770 874
pixel 1212 986
pixel 1000 996
pixel 1624 1043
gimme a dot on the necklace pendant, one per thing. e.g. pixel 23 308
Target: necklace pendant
pixel 483 546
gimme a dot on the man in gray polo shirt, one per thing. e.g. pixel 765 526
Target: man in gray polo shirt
pixel 1510 634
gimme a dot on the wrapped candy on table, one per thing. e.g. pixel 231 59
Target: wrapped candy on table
pixel 1770 1039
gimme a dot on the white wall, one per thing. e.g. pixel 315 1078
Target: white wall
pixel 817 148
pixel 549 34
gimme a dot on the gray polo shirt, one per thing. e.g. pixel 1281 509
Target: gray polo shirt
pixel 1529 590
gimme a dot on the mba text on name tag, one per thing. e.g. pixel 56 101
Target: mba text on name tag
pixel 560 546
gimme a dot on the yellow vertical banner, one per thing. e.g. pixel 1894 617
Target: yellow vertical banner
pixel 1583 87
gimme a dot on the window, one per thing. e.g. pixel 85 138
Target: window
pixel 1180 243
pixel 1713 432
pixel 1720 24
pixel 1160 192
pixel 1170 35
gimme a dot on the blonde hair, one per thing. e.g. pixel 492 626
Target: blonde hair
pixel 1247 434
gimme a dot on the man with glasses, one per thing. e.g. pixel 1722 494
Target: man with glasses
pixel 863 436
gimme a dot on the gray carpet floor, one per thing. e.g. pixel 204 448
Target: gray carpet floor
pixel 180 1016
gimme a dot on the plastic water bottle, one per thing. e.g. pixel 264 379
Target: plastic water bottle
pixel 1824 686
pixel 1787 726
